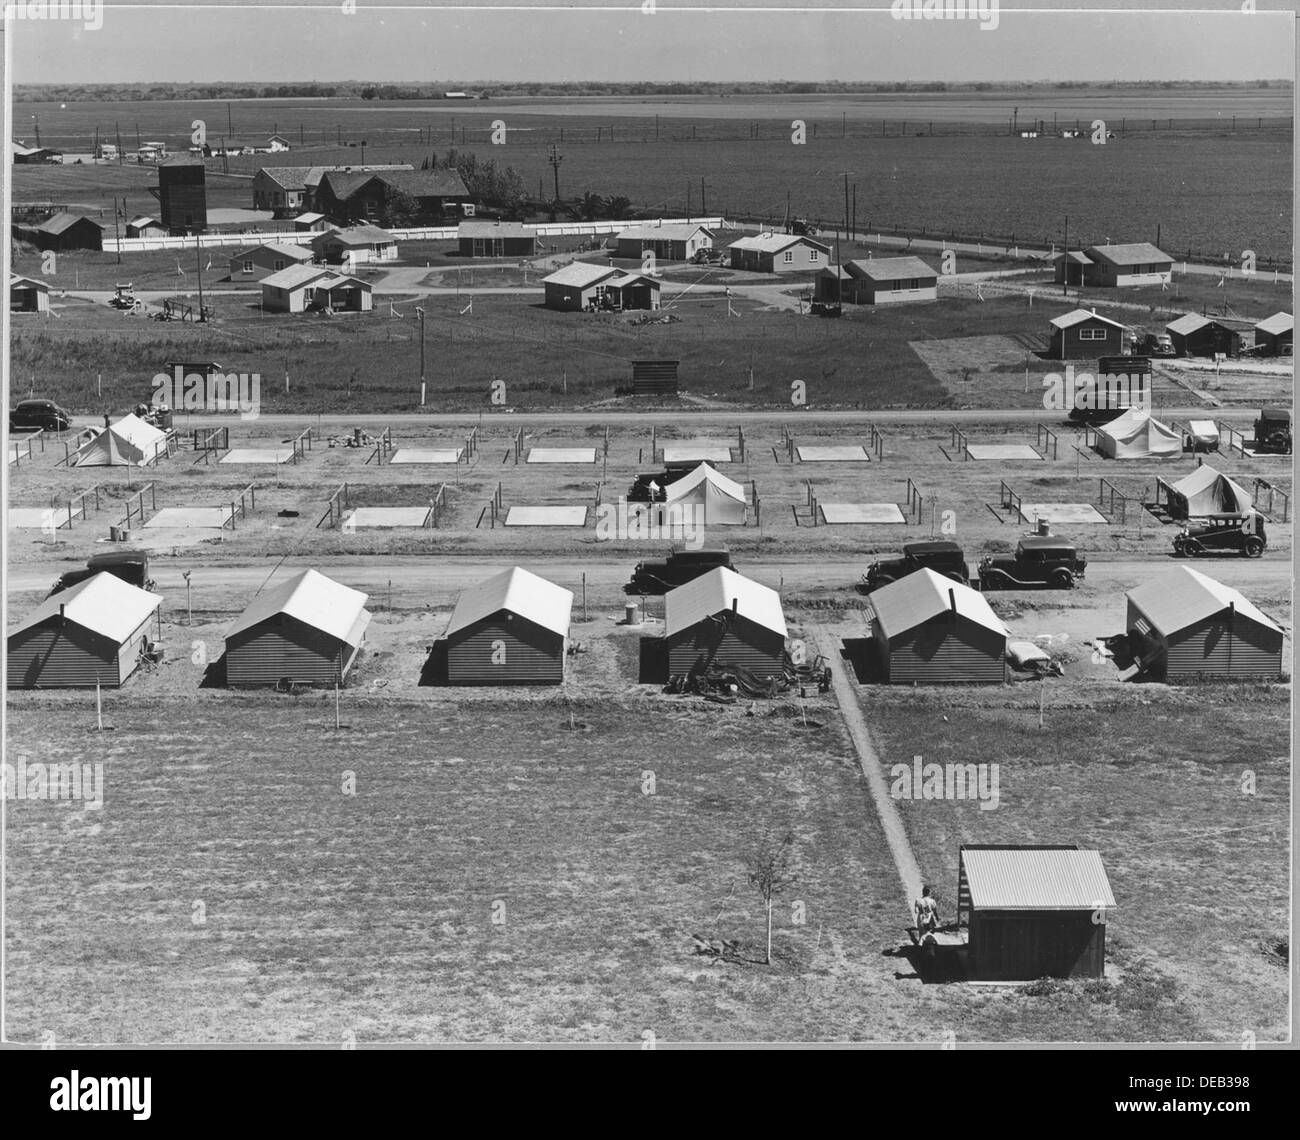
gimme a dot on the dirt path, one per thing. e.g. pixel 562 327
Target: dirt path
pixel 909 870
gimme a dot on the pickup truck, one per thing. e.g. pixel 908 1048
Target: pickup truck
pixel 1039 560
pixel 942 556
pixel 130 565
pixel 680 567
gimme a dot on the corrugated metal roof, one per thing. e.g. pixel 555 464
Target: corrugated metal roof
pixel 677 231
pixel 1003 878
pixel 775 243
pixel 702 474
pixel 716 591
pixel 891 268
pixel 1185 596
pixel 1277 323
pixel 1131 253
pixel 103 604
pixel 1078 316
pixel 924 594
pixel 295 276
pixel 521 592
pixel 581 275
pixel 312 599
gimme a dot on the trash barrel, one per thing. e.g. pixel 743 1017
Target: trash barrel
pixel 631 616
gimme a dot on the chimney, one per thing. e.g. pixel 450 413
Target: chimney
pixel 106 419
pixel 62 618
pixel 735 605
pixel 952 599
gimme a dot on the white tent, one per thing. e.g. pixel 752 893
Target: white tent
pixel 1204 433
pixel 1136 435
pixel 1206 492
pixel 722 499
pixel 128 443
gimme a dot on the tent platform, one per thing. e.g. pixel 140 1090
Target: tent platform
pixel 547 516
pixel 1061 513
pixel 855 454
pixel 697 451
pixel 833 513
pixel 189 517
pixel 373 518
pixel 561 455
pixel 257 455
pixel 35 518
pixel 1002 451
pixel 426 455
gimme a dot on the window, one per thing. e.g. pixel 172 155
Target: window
pixel 1092 334
pixel 812 254
pixel 248 267
pixel 789 256
pixel 278 263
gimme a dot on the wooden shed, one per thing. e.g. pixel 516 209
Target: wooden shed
pixel 723 620
pixel 1083 334
pixel 933 630
pixel 1184 626
pixel 1195 335
pixel 1033 912
pixel 94 632
pixel 1273 335
pixel 485 238
pixel 65 230
pixel 27 295
pixel 512 629
pixel 305 631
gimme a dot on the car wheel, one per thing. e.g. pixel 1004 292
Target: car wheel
pixel 1063 580
pixel 1254 547
pixel 1180 548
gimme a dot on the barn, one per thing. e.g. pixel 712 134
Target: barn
pixel 778 253
pixel 1195 335
pixel 94 632
pixel 1132 263
pixel 496 239
pixel 27 295
pixel 1082 334
pixel 722 620
pixel 878 281
pixel 356 245
pixel 260 261
pixel 512 629
pixel 1202 493
pixel 1033 912
pixel 1273 335
pixel 679 241
pixel 305 631
pixel 933 630
pixel 1184 626
pixel 64 231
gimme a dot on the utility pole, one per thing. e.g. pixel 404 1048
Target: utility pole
pixel 116 232
pixel 1015 120
pixel 198 262
pixel 36 126
pixel 1065 275
pixel 555 158
pixel 230 121
pixel 419 312
pixel 703 208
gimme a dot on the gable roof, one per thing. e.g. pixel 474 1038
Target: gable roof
pixel 522 593
pixel 1078 257
pixel 924 594
pixel 704 473
pixel 711 593
pixel 18 282
pixel 890 268
pixel 1277 323
pixel 309 217
pixel 356 235
pixel 775 243
pixel 295 276
pixel 104 604
pixel 144 220
pixel 442 182
pixel 65 220
pixel 1131 253
pixel 674 231
pixel 313 599
pixel 581 274
pixel 482 229
pixel 1188 323
pixel 1036 878
pixel 1078 316
pixel 1185 596
pixel 295 252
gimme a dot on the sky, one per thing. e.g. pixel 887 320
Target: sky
pixel 282 41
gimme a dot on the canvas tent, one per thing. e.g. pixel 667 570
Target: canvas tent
pixel 128 443
pixel 722 500
pixel 1204 434
pixel 1137 435
pixel 1206 492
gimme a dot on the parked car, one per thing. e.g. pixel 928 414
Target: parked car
pixel 130 565
pixel 39 415
pixel 1039 560
pixel 1273 431
pixel 1222 534
pixel 681 566
pixel 943 557
pixel 1158 344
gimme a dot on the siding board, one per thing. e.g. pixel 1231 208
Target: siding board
pixel 533 655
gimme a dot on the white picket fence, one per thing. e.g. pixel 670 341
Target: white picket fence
pixel 417 233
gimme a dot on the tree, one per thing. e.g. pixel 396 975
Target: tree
pixel 587 208
pixel 770 874
pixel 400 209
pixel 617 208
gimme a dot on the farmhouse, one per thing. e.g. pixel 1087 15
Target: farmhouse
pixel 1202 493
pixel 286 189
pixel 778 253
pixel 1033 912
pixel 496 239
pixel 1273 335
pixel 511 629
pixel 674 242
pixel 130 442
pixel 27 295
pixel 1082 333
pixel 878 281
pixel 1195 335
pixel 582 286
pixel 1137 435
pixel 722 620
pixel 936 631
pixel 355 245
pixel 183 194
pixel 306 631
pixel 260 261
pixel 144 226
pixel 96 632
pixel 64 231
pixel 359 196
pixel 302 287
pixel 1135 263
pixel 1185 626
pixel 714 499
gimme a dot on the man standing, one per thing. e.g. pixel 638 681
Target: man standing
pixel 927 915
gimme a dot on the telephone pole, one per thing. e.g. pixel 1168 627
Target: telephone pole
pixel 198 263
pixel 555 158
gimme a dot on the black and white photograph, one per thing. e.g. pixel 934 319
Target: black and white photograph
pixel 648 526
